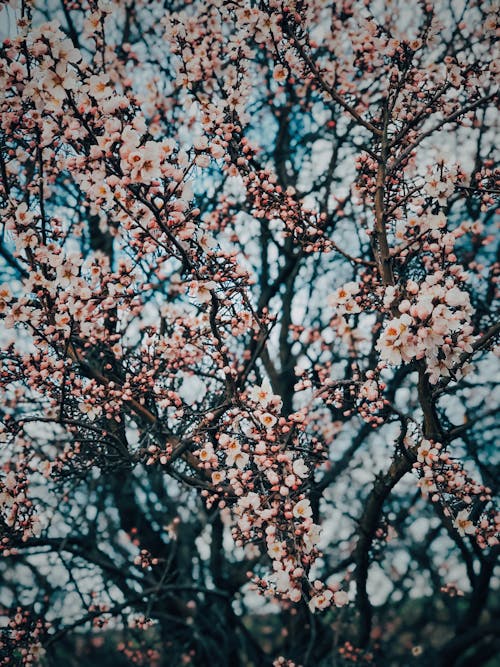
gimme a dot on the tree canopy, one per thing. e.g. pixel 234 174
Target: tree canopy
pixel 248 320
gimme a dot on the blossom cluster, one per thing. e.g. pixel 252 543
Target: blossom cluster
pixel 23 638
pixel 259 471
pixel 17 511
pixel 464 500
pixel 433 323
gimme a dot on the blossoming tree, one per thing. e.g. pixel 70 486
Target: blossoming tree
pixel 247 321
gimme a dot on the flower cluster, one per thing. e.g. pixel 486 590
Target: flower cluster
pixel 464 500
pixel 433 324
pixel 259 470
pixel 344 301
pixel 22 638
pixel 442 181
pixel 16 510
